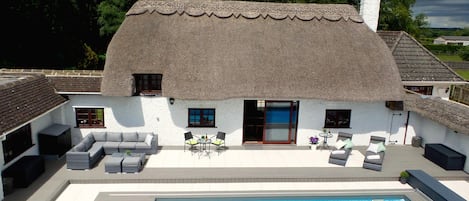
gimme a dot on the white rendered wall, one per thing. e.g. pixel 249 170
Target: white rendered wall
pixel 433 132
pixel 155 114
pixel 367 118
pixel 369 10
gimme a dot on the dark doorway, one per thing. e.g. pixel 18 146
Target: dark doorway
pixel 253 130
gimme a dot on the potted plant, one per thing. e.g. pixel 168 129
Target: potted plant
pixel 313 141
pixel 403 177
pixel 128 152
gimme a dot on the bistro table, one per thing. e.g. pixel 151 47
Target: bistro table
pixel 324 142
pixel 203 142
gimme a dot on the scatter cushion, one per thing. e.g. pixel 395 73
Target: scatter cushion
pixel 348 144
pixel 373 157
pixel 217 142
pixel 143 135
pixel 373 148
pixel 192 142
pixel 148 139
pixel 338 152
pixel 381 147
pixel 339 144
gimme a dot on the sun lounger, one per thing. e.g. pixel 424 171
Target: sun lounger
pixel 374 156
pixel 341 153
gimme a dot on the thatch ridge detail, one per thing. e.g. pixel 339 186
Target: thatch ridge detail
pixel 248 10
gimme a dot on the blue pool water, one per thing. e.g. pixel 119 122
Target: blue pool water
pixel 361 198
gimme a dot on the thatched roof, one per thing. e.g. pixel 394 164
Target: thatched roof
pixel 415 62
pixel 24 97
pixel 449 113
pixel 211 50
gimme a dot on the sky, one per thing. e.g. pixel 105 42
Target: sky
pixel 444 13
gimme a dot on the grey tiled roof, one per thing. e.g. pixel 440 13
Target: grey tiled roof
pixel 414 61
pixel 461 38
pixel 24 97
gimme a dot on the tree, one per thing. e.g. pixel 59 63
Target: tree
pixel 464 53
pixel 90 59
pixel 111 15
pixel 396 15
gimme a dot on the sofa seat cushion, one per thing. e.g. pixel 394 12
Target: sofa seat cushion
pixel 80 147
pixel 111 144
pixel 142 145
pixel 126 146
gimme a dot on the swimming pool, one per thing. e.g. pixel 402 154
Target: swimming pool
pixel 294 198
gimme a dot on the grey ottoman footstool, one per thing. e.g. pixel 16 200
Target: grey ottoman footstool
pixel 114 163
pixel 133 163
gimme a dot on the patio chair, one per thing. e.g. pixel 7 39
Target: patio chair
pixel 342 149
pixel 374 156
pixel 219 141
pixel 190 141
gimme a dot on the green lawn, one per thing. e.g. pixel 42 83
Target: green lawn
pixel 463 73
pixel 444 57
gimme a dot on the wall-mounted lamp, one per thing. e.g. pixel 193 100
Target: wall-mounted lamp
pixel 446 90
pixel 171 101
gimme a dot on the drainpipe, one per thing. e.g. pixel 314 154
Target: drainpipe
pixel 406 126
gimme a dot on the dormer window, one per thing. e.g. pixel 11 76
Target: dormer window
pixel 148 84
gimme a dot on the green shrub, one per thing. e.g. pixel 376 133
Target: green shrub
pixel 464 53
pixel 404 174
pixel 443 49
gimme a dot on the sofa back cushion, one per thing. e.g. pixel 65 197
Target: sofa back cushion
pixel 80 147
pixel 99 136
pixel 129 137
pixel 114 137
pixel 88 141
pixel 143 135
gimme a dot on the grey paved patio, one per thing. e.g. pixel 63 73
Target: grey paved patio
pixel 398 158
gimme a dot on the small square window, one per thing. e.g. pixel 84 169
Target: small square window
pixel 89 117
pixel 201 117
pixel 337 119
pixel 148 84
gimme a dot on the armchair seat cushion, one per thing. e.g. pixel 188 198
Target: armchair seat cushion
pixel 374 160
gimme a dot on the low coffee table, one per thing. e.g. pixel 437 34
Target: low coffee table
pixel 133 163
pixel 114 163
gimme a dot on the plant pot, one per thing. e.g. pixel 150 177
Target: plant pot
pixel 314 146
pixel 403 180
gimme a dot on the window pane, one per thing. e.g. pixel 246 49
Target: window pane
pixel 337 119
pixel 90 117
pixel 201 117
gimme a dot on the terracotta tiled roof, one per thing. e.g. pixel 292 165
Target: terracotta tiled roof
pixel 414 61
pixel 75 84
pixel 24 97
pixel 68 80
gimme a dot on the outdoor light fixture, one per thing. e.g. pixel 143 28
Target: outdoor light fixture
pixel 171 101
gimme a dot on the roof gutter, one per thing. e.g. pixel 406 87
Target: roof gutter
pixel 434 82
pixel 78 93
pixel 4 134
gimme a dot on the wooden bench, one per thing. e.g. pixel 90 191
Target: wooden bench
pixel 435 190
pixel 444 156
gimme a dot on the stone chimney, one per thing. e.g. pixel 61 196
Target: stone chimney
pixel 369 10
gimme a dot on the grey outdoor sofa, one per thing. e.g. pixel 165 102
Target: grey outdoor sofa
pixel 90 150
